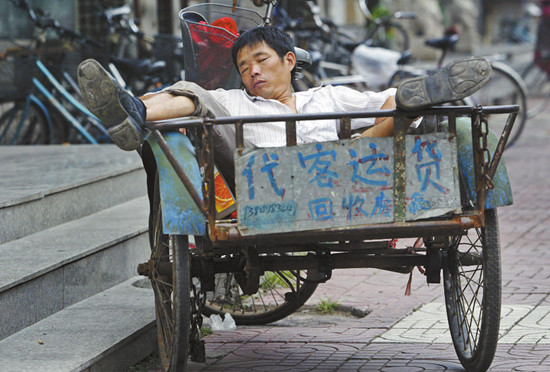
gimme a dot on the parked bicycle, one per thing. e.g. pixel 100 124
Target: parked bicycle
pixel 42 103
pixel 45 104
pixel 332 48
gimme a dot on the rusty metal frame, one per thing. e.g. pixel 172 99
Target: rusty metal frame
pixel 227 234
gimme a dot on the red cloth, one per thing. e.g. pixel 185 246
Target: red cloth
pixel 213 51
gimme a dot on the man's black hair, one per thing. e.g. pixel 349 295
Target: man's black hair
pixel 278 40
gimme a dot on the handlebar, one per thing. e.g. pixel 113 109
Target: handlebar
pixel 404 15
pixel 120 11
pixel 43 20
pixel 119 20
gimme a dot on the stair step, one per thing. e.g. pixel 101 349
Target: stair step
pixel 43 186
pixel 106 332
pixel 45 272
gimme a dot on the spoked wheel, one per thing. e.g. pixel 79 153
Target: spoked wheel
pixel 24 124
pixel 472 280
pixel 538 89
pixel 177 304
pixel 280 294
pixel 391 36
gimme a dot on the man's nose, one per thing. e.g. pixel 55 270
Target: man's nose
pixel 254 70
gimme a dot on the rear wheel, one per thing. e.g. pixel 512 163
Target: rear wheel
pixel 280 294
pixel 538 89
pixel 24 124
pixel 472 284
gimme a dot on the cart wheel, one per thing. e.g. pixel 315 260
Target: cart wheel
pixel 170 278
pixel 280 294
pixel 472 279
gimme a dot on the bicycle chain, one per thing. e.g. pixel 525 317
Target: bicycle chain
pixel 206 150
pixel 485 154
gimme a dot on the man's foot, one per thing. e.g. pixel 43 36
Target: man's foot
pixel 112 104
pixel 452 83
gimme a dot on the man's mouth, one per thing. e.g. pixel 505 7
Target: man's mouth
pixel 258 84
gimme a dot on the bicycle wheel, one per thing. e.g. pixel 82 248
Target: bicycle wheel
pixel 472 285
pixel 538 89
pixel 390 36
pixel 280 294
pixel 172 289
pixel 24 124
pixel 504 88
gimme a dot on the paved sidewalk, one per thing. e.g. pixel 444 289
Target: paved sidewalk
pixel 410 333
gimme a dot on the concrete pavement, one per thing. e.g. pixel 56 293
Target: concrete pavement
pixel 410 333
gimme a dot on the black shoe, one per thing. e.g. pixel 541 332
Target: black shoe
pixel 112 104
pixel 455 81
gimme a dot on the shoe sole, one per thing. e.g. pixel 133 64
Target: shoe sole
pixel 100 94
pixel 452 83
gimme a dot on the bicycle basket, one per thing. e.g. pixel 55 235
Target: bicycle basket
pixel 208 33
pixel 16 75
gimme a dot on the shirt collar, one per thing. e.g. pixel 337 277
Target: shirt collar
pixel 307 94
pixel 258 98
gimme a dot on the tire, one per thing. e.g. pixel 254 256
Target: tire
pixel 172 296
pixel 390 36
pixel 280 294
pixel 32 130
pixel 505 88
pixel 538 89
pixel 472 284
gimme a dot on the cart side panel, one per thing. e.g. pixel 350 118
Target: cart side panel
pixel 501 194
pixel 343 183
pixel 180 215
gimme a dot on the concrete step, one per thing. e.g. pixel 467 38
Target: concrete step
pixel 45 272
pixel 44 186
pixel 106 332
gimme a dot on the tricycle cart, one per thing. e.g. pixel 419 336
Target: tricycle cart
pixel 306 209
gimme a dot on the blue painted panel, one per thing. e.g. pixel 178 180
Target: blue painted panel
pixel 501 194
pixel 343 183
pixel 180 215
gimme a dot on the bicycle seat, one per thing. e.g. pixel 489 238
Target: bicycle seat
pixel 351 45
pixel 405 58
pixel 444 43
pixel 303 58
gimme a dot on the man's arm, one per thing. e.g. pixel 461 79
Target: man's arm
pixel 161 106
pixel 383 127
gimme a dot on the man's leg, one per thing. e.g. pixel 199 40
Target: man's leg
pixel 124 115
pixel 454 82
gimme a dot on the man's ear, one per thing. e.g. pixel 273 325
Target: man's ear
pixel 290 58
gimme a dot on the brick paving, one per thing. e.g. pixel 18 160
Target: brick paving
pixel 409 333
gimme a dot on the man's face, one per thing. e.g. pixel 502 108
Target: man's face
pixel 263 73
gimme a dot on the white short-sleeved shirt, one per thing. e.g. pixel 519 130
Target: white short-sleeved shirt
pixel 315 100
